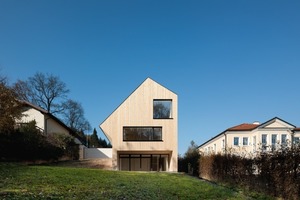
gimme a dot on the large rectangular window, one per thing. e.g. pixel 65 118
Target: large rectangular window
pixel 142 133
pixel 144 162
pixel 162 109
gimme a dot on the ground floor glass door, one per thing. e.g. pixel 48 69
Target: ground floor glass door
pixel 143 162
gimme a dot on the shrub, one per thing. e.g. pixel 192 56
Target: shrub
pixel 190 162
pixel 276 173
pixel 28 144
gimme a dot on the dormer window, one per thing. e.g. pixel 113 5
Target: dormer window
pixel 162 109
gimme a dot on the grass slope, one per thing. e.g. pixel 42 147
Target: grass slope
pixel 48 182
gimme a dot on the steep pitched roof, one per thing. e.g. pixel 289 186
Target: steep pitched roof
pixel 130 95
pixel 136 89
pixel 45 112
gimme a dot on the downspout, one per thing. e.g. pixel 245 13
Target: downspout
pixel 225 143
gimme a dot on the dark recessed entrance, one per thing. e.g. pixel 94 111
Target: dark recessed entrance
pixel 143 162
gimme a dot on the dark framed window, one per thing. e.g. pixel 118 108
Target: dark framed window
pixel 274 141
pixel 283 139
pixel 245 141
pixel 162 109
pixel 236 141
pixel 296 140
pixel 142 133
pixel 264 142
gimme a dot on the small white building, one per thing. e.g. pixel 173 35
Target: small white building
pixel 47 123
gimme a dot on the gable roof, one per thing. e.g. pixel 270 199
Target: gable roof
pixel 147 79
pixel 45 112
pixel 273 120
pixel 147 82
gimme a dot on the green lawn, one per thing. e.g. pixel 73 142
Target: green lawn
pixel 52 182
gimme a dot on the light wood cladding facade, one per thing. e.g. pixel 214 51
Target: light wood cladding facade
pixel 137 111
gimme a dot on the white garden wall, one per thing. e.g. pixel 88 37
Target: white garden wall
pixel 95 153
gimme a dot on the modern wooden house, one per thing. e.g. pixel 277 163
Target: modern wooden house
pixel 249 139
pixel 143 130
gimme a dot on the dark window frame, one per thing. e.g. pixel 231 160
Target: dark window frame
pixel 234 141
pixel 247 143
pixel 171 109
pixel 143 140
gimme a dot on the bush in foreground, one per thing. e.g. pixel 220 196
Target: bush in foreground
pixel 275 173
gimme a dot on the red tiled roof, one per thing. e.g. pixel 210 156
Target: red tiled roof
pixel 243 127
pixel 296 129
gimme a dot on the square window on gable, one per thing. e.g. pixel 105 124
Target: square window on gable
pixel 162 109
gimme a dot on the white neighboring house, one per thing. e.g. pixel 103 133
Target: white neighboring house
pixel 143 130
pixel 47 123
pixel 249 139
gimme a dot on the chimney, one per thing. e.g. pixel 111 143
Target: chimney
pixel 256 123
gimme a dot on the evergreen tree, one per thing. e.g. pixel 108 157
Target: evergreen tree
pixel 94 140
pixel 189 163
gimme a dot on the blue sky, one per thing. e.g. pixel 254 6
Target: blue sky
pixel 230 62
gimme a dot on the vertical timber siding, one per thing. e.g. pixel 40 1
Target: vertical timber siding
pixel 137 110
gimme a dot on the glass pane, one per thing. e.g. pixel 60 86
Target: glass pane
pixel 162 109
pixel 236 141
pixel 130 134
pixel 283 139
pixel 264 139
pixel 142 133
pixel 157 135
pixel 274 138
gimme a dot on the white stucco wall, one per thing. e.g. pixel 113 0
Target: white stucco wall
pixel 33 114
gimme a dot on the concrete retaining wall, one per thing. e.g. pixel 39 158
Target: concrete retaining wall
pixel 96 153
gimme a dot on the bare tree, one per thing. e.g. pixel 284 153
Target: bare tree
pixel 3 79
pixel 44 90
pixel 21 88
pixel 74 116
